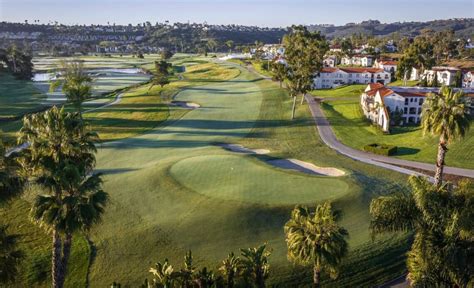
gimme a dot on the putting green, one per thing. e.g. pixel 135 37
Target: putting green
pixel 240 178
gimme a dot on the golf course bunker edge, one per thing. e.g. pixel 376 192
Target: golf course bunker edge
pixel 306 167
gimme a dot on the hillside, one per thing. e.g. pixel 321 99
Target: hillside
pixel 462 27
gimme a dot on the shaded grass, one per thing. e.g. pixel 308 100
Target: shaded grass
pixel 354 130
pixel 35 244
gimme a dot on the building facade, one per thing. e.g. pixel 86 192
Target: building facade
pixel 358 60
pixel 332 77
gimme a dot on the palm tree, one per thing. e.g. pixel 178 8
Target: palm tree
pixel 163 275
pixel 78 208
pixel 9 256
pixel 441 217
pixel 316 239
pixel 61 159
pixel 255 264
pixel 76 84
pixel 445 114
pixel 230 268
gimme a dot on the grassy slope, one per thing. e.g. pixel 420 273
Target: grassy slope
pixel 17 96
pixel 160 207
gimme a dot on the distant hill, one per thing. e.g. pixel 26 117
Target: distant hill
pixel 462 27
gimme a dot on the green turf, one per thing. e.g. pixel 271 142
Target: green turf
pixel 237 178
pixel 340 92
pixel 170 189
pixel 352 128
pixel 17 96
pixel 402 83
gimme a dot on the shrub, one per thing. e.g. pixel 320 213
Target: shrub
pixel 381 149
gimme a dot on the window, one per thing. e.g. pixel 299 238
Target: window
pixel 421 101
pixel 419 110
pixel 405 110
pixel 411 99
pixel 406 101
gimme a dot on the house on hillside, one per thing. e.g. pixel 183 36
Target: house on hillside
pixel 358 60
pixel 387 106
pixel 389 66
pixel 444 75
pixel 335 48
pixel 468 79
pixel 330 61
pixel 331 77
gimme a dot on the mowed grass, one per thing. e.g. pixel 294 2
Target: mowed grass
pixel 17 96
pixel 340 92
pixel 354 130
pixel 142 108
pixel 165 199
pixel 237 178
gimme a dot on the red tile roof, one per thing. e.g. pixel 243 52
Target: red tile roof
pixel 389 62
pixel 384 91
pixel 373 86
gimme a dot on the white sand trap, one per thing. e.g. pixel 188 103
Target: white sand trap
pixel 241 149
pixel 306 167
pixel 183 104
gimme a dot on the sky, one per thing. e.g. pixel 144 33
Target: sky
pixel 270 13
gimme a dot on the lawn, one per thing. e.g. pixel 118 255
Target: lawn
pixel 354 130
pixel 402 83
pixel 348 91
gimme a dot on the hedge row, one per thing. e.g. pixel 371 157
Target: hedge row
pixel 381 149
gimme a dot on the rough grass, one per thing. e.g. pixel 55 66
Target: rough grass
pixel 354 130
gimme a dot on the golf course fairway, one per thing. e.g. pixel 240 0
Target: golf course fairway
pixel 171 190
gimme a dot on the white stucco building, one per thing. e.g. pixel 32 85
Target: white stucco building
pixel 445 75
pixel 358 60
pixel 386 105
pixel 330 61
pixel 331 77
pixel 468 79
pixel 389 66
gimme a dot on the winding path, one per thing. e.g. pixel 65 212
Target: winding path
pixel 327 135
pixel 329 138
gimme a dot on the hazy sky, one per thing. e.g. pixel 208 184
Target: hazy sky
pixel 248 12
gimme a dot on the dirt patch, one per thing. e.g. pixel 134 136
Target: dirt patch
pixel 184 104
pixel 241 149
pixel 306 167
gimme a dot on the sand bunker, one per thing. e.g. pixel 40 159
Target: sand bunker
pixel 306 167
pixel 241 149
pixel 183 104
